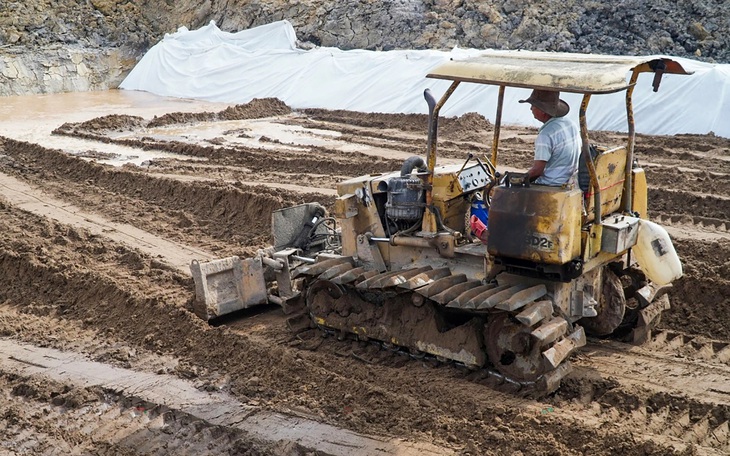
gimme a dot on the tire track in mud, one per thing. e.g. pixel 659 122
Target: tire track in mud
pixel 701 298
pixel 671 177
pixel 293 159
pixel 678 202
pixel 687 154
pixel 212 414
pixel 101 421
pixel 72 276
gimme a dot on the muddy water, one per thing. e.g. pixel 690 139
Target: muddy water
pixel 32 118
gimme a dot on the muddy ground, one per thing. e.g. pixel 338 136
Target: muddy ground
pixel 121 302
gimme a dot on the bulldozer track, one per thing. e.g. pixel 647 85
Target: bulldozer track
pixel 483 375
pixel 690 346
pixel 514 327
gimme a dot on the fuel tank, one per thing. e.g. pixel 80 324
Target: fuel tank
pixel 537 223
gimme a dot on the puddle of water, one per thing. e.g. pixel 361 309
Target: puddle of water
pixel 32 118
pixel 265 134
pixel 54 109
pixel 255 133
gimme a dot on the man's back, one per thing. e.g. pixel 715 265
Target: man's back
pixel 558 143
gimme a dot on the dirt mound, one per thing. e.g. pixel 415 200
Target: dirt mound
pixel 112 122
pixel 255 109
pixel 700 298
pixel 404 122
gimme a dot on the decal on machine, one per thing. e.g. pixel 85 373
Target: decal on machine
pixel 540 241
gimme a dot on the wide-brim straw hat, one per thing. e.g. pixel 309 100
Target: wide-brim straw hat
pixel 548 102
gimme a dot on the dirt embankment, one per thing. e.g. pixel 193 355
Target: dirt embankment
pixel 48 46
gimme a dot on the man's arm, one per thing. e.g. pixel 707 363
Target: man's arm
pixel 538 167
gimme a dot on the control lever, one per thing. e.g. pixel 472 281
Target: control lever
pixel 468 157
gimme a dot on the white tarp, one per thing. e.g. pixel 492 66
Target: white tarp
pixel 213 65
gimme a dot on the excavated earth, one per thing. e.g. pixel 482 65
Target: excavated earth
pixel 101 353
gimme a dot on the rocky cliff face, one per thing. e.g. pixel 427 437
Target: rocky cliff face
pixel 51 46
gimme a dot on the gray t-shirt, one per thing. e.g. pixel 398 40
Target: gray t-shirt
pixel 558 143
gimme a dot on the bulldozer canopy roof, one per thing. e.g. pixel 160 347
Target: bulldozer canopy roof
pixel 568 72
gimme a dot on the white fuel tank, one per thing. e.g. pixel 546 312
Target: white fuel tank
pixel 656 255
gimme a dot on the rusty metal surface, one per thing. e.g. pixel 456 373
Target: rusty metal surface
pixel 440 285
pixel 425 278
pixel 581 73
pixel 227 285
pixel 461 300
pixel 454 292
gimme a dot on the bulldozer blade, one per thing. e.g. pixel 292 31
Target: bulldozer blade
pixel 425 278
pixel 349 276
pixel 227 285
pixel 561 350
pixel 522 298
pixel 495 299
pixel 535 313
pixel 550 382
pixel 403 277
pixel 550 331
pixel 451 293
pixel 320 266
pixel 474 302
pixel 336 271
pixel 460 301
pixel 440 285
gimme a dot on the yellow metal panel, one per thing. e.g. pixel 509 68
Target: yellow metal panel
pixel 345 206
pixel 352 185
pixel 446 182
pixel 349 236
pixel 567 72
pixel 538 223
pixel 452 212
pixel 353 216
pixel 639 202
pixel 446 185
pixel 592 241
pixel 611 172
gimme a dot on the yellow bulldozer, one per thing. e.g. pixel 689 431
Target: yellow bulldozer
pixel 397 262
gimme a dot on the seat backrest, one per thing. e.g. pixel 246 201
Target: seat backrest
pixel 611 171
